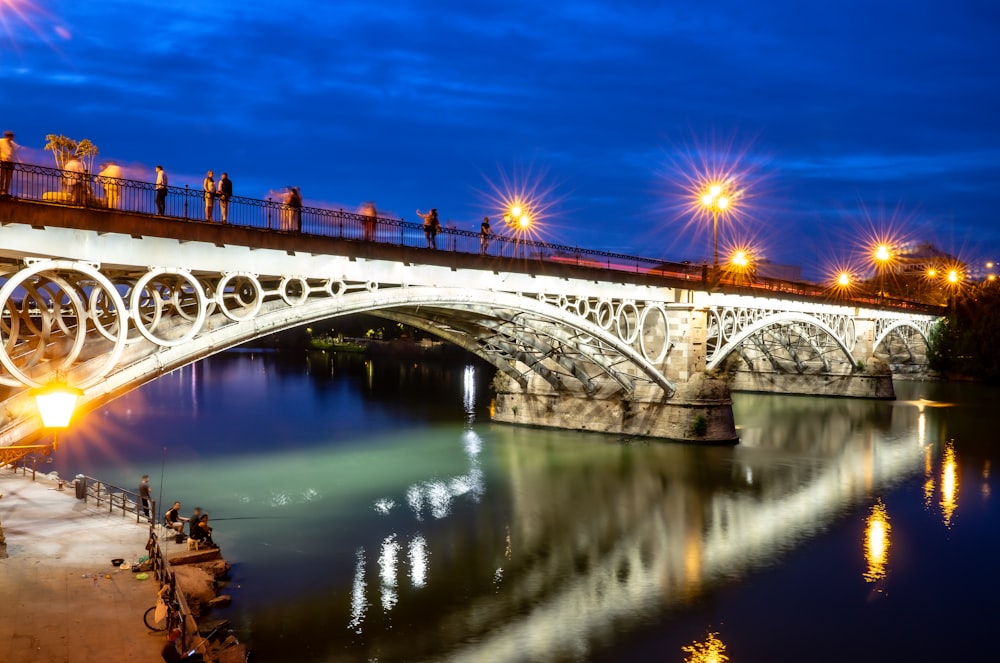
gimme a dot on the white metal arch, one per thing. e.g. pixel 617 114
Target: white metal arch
pixel 897 325
pixel 777 319
pixel 481 301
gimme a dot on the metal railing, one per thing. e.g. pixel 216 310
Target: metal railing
pixel 60 187
pixel 177 606
pixel 115 497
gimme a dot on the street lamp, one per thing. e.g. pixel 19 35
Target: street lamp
pixel 56 402
pixel 519 221
pixel 882 255
pixel 716 200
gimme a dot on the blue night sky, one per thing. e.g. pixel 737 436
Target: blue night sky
pixel 836 120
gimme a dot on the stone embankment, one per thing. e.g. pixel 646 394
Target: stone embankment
pixel 201 574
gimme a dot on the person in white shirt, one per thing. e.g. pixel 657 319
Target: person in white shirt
pixel 8 157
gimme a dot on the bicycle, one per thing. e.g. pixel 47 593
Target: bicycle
pixel 165 614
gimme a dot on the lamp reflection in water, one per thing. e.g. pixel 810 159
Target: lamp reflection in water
pixel 949 483
pixel 434 498
pixel 712 650
pixel 877 542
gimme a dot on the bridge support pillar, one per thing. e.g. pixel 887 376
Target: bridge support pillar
pixel 699 411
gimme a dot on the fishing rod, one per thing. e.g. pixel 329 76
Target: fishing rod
pixel 213 519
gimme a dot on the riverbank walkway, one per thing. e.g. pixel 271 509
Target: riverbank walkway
pixel 61 600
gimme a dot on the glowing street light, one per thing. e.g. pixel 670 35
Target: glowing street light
pixel 882 255
pixel 56 402
pixel 716 200
pixel 519 221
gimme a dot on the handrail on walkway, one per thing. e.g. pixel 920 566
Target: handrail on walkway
pixel 70 188
pixel 114 496
pixel 102 492
pixel 179 613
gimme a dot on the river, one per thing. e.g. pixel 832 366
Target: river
pixel 372 512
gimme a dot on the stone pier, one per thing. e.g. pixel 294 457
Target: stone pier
pixel 699 411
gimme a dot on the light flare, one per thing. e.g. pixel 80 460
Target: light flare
pixel 16 13
pixel 525 202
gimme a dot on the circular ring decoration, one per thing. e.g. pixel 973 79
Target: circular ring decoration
pixel 246 292
pixel 335 288
pixel 582 307
pixel 563 302
pixel 371 286
pixel 144 283
pixel 604 314
pixel 294 290
pixel 114 307
pixel 654 308
pixel 627 317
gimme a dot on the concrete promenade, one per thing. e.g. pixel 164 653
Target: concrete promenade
pixel 61 600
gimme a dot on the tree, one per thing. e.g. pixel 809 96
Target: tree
pixel 86 151
pixel 963 343
pixel 64 149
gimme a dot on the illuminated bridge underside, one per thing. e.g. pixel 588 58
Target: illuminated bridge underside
pixel 67 317
pixel 795 342
pixel 109 303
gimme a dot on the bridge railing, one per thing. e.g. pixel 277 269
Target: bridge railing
pixel 54 186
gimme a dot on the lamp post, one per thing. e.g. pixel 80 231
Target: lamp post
pixel 716 200
pixel 954 278
pixel 883 254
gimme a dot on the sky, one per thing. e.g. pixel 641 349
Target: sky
pixel 830 124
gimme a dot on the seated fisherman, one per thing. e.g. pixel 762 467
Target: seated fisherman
pixel 174 520
pixel 203 532
pixel 193 522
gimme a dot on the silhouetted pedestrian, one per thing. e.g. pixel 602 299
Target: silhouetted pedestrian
pixel 484 235
pixel 144 495
pixel 431 226
pixel 161 190
pixel 225 193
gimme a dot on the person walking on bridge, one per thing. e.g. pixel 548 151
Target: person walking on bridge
pixel 8 157
pixel 161 190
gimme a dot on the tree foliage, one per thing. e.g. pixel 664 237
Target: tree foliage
pixel 964 343
pixel 64 149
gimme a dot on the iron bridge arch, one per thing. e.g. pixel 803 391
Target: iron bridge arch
pixel 109 333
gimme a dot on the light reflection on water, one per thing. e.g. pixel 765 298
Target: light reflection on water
pixel 501 543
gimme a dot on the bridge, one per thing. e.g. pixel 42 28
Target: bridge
pixel 103 292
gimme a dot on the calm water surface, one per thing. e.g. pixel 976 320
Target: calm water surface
pixel 372 512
